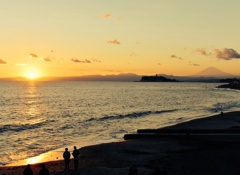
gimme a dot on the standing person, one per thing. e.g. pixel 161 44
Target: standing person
pixel 66 156
pixel 222 114
pixel 43 171
pixel 28 170
pixel 75 157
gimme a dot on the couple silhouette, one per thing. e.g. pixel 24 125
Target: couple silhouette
pixel 67 155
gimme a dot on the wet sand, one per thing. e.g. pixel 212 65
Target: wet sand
pixel 188 154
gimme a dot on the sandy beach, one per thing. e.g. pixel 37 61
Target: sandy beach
pixel 183 154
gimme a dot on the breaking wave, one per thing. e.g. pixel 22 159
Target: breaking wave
pixel 130 115
pixel 22 127
pixel 224 106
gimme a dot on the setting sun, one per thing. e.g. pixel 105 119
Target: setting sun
pixel 31 75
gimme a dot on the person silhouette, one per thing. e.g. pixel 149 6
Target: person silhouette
pixel 43 171
pixel 75 157
pixel 66 156
pixel 222 114
pixel 28 170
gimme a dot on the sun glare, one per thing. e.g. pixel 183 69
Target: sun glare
pixel 31 75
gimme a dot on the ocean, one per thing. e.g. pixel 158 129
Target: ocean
pixel 38 117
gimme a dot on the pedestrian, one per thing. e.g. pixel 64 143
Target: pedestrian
pixel 75 154
pixel 222 114
pixel 44 170
pixel 66 156
pixel 28 170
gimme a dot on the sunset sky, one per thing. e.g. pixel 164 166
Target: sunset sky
pixel 87 37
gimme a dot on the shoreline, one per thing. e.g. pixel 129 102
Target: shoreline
pixel 55 155
pixel 119 156
pixel 50 156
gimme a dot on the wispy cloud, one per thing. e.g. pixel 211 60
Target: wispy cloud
pixel 33 55
pixel 114 42
pixel 106 15
pixel 175 56
pixel 226 54
pixel 47 59
pixel 133 54
pixel 110 16
pixel 202 51
pixel 97 61
pixel 81 61
pixel 193 64
pixel 2 62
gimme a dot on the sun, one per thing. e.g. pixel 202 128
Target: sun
pixel 32 75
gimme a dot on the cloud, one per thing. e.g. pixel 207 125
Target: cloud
pixel 81 61
pixel 107 15
pixel 47 59
pixel 175 56
pixel 114 42
pixel 226 54
pixel 2 62
pixel 95 60
pixel 195 64
pixel 33 55
pixel 133 54
pixel 203 52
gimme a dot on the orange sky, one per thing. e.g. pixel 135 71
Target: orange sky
pixel 74 38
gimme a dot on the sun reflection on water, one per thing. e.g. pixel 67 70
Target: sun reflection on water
pixel 32 97
pixel 34 160
pixel 45 157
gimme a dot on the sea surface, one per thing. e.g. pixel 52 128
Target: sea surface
pixel 37 117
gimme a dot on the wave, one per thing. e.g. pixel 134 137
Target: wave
pixel 130 115
pixel 22 127
pixel 224 106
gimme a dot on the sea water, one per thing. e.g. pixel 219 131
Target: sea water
pixel 37 117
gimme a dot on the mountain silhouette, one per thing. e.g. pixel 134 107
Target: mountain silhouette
pixel 212 72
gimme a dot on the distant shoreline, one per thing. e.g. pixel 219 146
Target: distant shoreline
pixel 230 86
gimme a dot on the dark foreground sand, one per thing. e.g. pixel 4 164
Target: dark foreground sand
pixel 201 154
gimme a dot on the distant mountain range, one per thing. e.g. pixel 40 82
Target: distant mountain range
pixel 210 74
pixel 119 77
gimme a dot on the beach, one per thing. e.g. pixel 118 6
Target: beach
pixel 184 154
